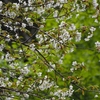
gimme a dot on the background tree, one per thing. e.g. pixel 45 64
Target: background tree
pixel 49 50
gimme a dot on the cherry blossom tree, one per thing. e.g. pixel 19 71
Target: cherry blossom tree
pixel 49 49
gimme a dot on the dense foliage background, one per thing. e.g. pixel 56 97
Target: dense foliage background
pixel 59 62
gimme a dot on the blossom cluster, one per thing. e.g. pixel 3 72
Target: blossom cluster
pixel 76 66
pixel 97 44
pixel 62 94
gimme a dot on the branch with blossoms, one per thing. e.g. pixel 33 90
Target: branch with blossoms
pixel 48 49
pixel 25 94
